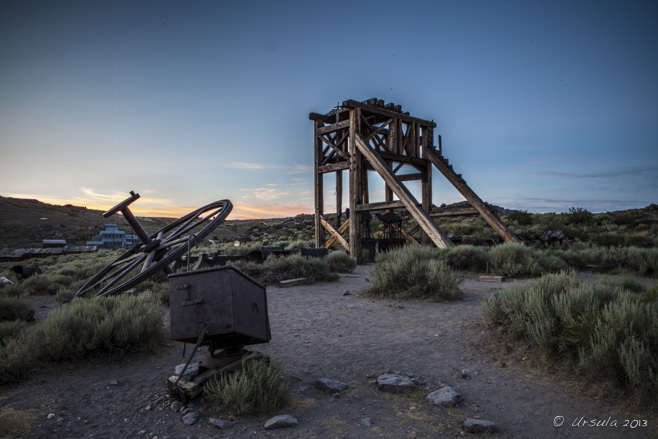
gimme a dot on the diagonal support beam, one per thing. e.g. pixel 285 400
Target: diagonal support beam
pixel 335 234
pixel 333 239
pixel 426 222
pixel 410 239
pixel 470 196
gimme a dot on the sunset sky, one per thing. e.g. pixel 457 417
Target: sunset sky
pixel 542 105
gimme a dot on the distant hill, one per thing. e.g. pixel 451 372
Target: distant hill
pixel 26 223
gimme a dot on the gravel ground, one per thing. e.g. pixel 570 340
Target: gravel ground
pixel 318 331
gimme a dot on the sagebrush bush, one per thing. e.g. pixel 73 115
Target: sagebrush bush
pixel 277 268
pixel 106 327
pixel 340 262
pixel 257 387
pixel 414 272
pixel 513 259
pixel 14 308
pixel 10 329
pixel 601 329
pixel 468 257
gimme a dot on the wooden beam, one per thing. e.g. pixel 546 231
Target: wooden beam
pixel 340 166
pixel 319 190
pixel 334 127
pixel 456 212
pixel 379 206
pixel 317 117
pixel 411 177
pixel 355 185
pixel 394 114
pixel 422 217
pixel 332 239
pixel 334 233
pixel 470 196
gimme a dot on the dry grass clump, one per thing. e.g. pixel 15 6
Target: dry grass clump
pixel 601 330
pixel 414 272
pixel 257 387
pixel 106 327
pixel 277 268
pixel 340 262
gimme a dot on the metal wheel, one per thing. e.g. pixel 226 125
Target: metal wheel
pixel 158 250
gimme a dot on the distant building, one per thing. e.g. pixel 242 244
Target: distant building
pixel 54 243
pixel 112 238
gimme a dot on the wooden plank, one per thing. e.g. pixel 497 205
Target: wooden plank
pixel 326 118
pixel 422 217
pixel 470 196
pixel 456 212
pixel 292 282
pixel 332 239
pixel 340 166
pixel 484 278
pixel 355 187
pixel 417 163
pixel 352 104
pixel 334 127
pixel 380 206
pixel 335 234
pixel 411 177
pixel 319 188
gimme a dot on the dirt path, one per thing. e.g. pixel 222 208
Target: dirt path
pixel 317 331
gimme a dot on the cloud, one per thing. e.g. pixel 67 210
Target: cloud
pixel 632 171
pixel 250 211
pixel 291 169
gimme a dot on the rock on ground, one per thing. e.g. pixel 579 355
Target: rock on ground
pixel 479 426
pixel 446 397
pixel 330 386
pixel 392 382
pixel 280 421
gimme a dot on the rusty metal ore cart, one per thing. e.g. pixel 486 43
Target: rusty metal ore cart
pixel 222 308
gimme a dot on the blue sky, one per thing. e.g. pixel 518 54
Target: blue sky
pixel 541 106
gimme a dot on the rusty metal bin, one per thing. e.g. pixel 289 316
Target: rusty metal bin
pixel 231 305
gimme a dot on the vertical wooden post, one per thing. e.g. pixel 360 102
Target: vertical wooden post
pixel 319 187
pixel 355 185
pixel 339 197
pixel 426 143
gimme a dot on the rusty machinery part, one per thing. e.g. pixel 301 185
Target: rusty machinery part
pixel 157 251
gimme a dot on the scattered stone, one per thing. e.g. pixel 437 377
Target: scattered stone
pixel 392 382
pixel 346 293
pixel 141 433
pixel 114 383
pixel 175 406
pixel 495 295
pixel 300 389
pixel 472 425
pixel 190 418
pixel 281 421
pixel 445 397
pixel 221 423
pixel 59 422
pixel 366 421
pixel 50 415
pixel 330 386
pixel 191 371
pixel 464 375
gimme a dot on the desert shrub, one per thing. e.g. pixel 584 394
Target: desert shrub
pixel 579 215
pixel 300 244
pixel 512 259
pixel 257 387
pixel 340 262
pixel 43 284
pixel 14 308
pixel 105 326
pixel 609 239
pixel 621 349
pixel 414 272
pixel 521 217
pixel 643 260
pixel 600 329
pixel 17 357
pixel 630 284
pixel 10 329
pixel 650 295
pixel 468 257
pixel 277 268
